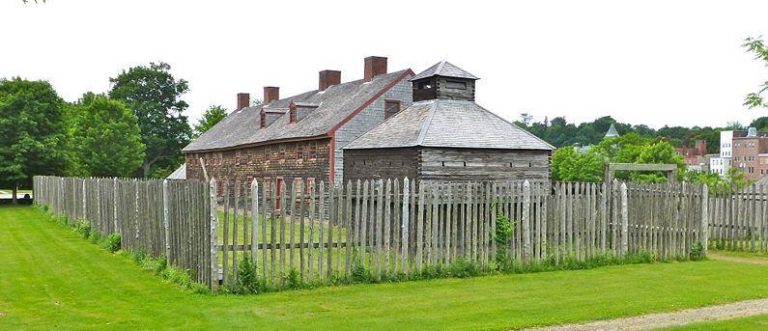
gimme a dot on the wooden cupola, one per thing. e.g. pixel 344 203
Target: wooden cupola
pixel 444 81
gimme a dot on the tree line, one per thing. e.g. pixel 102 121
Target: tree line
pixel 560 133
pixel 136 129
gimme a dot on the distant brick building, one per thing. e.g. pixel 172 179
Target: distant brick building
pixel 695 157
pixel 747 154
pixel 302 136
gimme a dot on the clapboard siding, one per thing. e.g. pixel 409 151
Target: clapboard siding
pixel 457 164
pixel 447 164
pixel 381 163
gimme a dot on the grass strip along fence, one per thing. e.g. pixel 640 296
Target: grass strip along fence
pixel 163 220
pixel 255 236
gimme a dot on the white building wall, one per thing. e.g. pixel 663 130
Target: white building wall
pixel 726 144
pixel 719 165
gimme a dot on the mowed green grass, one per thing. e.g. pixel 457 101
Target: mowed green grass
pixel 50 278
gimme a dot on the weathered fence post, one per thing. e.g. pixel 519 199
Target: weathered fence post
pixel 136 210
pixel 704 237
pixel 526 218
pixel 255 218
pixel 624 220
pixel 114 206
pixel 404 223
pixel 214 241
pixel 84 203
pixel 166 221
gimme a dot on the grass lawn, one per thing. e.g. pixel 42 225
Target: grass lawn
pixel 50 278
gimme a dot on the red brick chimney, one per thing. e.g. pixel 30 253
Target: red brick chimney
pixel 271 93
pixel 374 66
pixel 243 100
pixel 328 78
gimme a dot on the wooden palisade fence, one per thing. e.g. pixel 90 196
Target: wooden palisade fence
pixel 393 229
pixel 314 233
pixel 740 220
pixel 160 218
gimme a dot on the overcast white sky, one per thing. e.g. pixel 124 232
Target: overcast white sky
pixel 652 62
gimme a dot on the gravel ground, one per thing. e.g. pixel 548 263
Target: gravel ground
pixel 683 317
pixel 678 318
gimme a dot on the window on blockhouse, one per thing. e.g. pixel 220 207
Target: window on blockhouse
pixel 424 85
pixel 455 85
pixel 391 107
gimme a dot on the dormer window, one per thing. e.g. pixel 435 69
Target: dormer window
pixel 391 108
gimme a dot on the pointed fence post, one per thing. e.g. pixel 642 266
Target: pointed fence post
pixel 704 237
pixel 624 220
pixel 166 220
pixel 404 223
pixel 114 206
pixel 84 203
pixel 526 218
pixel 214 241
pixel 254 219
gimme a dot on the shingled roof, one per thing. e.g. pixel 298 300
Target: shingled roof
pixel 444 69
pixel 335 104
pixel 448 123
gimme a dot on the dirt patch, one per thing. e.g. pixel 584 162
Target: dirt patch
pixel 738 259
pixel 678 318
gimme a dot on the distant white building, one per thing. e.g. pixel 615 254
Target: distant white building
pixel 719 165
pixel 726 144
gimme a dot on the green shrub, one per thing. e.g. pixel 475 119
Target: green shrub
pixel 94 237
pixel 293 278
pixel 83 227
pixel 504 228
pixel 112 243
pixel 360 274
pixel 138 256
pixel 462 268
pixel 697 252
pixel 247 277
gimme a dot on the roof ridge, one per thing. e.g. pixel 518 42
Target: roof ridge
pixel 427 123
pixel 439 67
pixel 341 84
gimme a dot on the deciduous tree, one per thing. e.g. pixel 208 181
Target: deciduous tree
pixel 106 139
pixel 32 132
pixel 213 115
pixel 154 95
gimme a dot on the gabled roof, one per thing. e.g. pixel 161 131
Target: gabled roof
pixel 444 69
pixel 335 105
pixel 448 123
pixel 179 173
